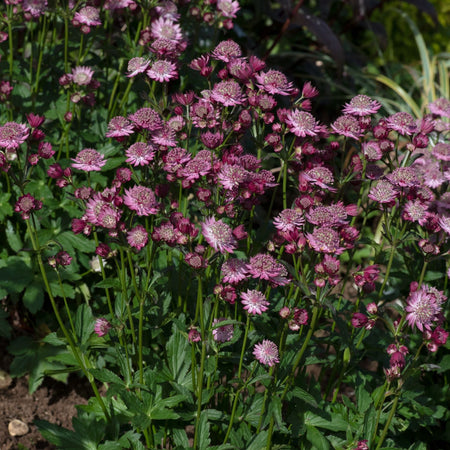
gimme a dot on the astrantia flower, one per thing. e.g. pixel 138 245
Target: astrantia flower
pixel 233 270
pixel 444 223
pixel 137 65
pixel 228 8
pixel 228 93
pixel 372 151
pixel 274 82
pixel 13 134
pixel 119 127
pixel 231 176
pixel 222 333
pixel 440 107
pixel 101 327
pixel 219 235
pixel 142 200
pixel 227 51
pixel 330 215
pixel 34 7
pixel 289 220
pixel 415 211
pixel 383 192
pixel 137 237
pixel 324 240
pixel 302 123
pixel 441 151
pixel 403 177
pixel 162 71
pixel 266 352
pixel 347 125
pixel 26 204
pixel 264 267
pixel 140 154
pixel 422 308
pixel 319 176
pixel 361 105
pixel 89 160
pixel 402 122
pixel 82 75
pixel 88 16
pixel 147 118
pixel 165 28
pixel 254 301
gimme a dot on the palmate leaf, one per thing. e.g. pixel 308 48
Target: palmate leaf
pixel 59 436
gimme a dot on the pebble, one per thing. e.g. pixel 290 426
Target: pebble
pixel 17 428
pixel 5 379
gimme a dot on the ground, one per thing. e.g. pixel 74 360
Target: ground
pixel 53 401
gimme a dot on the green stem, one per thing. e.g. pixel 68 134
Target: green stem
pixel 388 423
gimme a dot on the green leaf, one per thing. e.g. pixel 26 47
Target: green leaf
pixel 76 241
pixel 444 364
pixel 369 424
pixel 316 438
pixel 84 322
pixel 59 436
pixel 16 275
pixel 203 439
pixel 303 395
pixel 12 237
pixel 180 438
pixel 5 328
pixel 258 442
pixel 106 376
pixel 109 283
pixel 33 298
pixel 5 206
pixel 363 399
pixel 337 424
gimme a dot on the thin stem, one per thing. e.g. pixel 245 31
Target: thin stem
pixel 388 423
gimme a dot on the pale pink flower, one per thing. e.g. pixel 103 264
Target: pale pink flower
pixel 325 240
pixel 88 16
pixel 423 308
pixel 13 134
pixel 402 122
pixel 162 71
pixel 147 118
pixel 302 123
pixel 82 75
pixel 228 8
pixel 361 105
pixel 119 127
pixel 440 107
pixel 140 154
pixel 289 220
pixel 89 160
pixel 137 65
pixel 264 267
pixel 142 200
pixel 274 82
pixel 34 7
pixel 441 151
pixel 227 51
pixel 228 93
pixel 137 237
pixel 219 235
pixel 231 176
pixel 254 301
pixel 266 352
pixel 166 28
pixel 347 125
pixel 383 192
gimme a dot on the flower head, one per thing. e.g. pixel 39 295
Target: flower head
pixel 162 71
pixel 101 327
pixel 302 123
pixel 88 16
pixel 26 204
pixel 402 122
pixel 347 125
pixel 140 154
pixel 274 82
pixel 137 237
pixel 137 65
pixel 254 301
pixel 289 220
pixel 233 270
pixel 219 235
pixel 361 105
pixel 222 333
pixel 82 75
pixel 266 352
pixel 142 200
pixel 228 93
pixel 89 160
pixel 147 118
pixel 13 134
pixel 119 127
pixel 227 51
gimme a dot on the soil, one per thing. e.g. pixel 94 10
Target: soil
pixel 52 401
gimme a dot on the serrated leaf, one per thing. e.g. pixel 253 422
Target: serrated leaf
pixel 203 438
pixel 106 376
pixel 258 442
pixel 59 436
pixel 303 395
pixel 109 283
pixel 15 276
pixel 76 241
pixel 14 240
pixel 316 438
pixel 84 322
pixel 337 424
pixel 5 206
pixel 33 297
pixel 363 399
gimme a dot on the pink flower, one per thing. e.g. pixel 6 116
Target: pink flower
pixel 289 220
pixel 233 270
pixel 162 71
pixel 89 160
pixel 165 28
pixel 228 93
pixel 140 154
pixel 142 200
pixel 423 306
pixel 228 8
pixel 26 204
pixel 147 118
pixel 119 127
pixel 13 134
pixel 227 51
pixel 101 327
pixel 402 122
pixel 266 352
pixel 254 302
pixel 231 176
pixel 222 333
pixel 440 107
pixel 137 65
pixel 219 235
pixel 361 105
pixel 88 16
pixel 325 240
pixel 302 123
pixel 35 7
pixel 137 237
pixel 383 192
pixel 274 82
pixel 82 75
pixel 347 125
pixel 266 267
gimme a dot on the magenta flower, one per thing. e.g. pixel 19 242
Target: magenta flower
pixel 266 352
pixel 347 125
pixel 137 237
pixel 142 200
pixel 265 267
pixel 13 134
pixel 440 107
pixel 228 8
pixel 119 127
pixel 147 118
pixel 254 301
pixel 231 176
pixel 88 16
pixel 228 93
pixel 383 192
pixel 233 270
pixel 361 105
pixel 227 51
pixel 423 307
pixel 26 204
pixel 101 327
pixel 402 122
pixel 140 154
pixel 34 7
pixel 222 333
pixel 325 240
pixel 219 235
pixel 165 28
pixel 289 220
pixel 89 160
